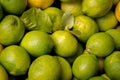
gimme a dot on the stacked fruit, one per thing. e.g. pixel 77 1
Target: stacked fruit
pixel 59 40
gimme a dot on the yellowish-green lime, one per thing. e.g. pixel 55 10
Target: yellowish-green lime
pixel 37 43
pixel 15 59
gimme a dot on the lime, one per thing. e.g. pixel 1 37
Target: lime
pixel 15 59
pixel 14 6
pixel 112 63
pixel 12 30
pixel 37 43
pixel 84 27
pixel 116 37
pixel 101 44
pixel 66 44
pixel 40 3
pixel 117 11
pixel 45 67
pixel 95 8
pixel 104 20
pixel 65 68
pixel 74 7
pixel 85 66
pixel 3 73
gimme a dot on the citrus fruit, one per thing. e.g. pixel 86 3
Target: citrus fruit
pixel 116 37
pixel 3 73
pixel 104 20
pixel 56 17
pixel 65 43
pixel 117 11
pixel 97 78
pixel 85 66
pixel 37 43
pixel 84 27
pixel 14 6
pixel 15 59
pixel 115 2
pixel 112 63
pixel 95 8
pixel 45 67
pixel 12 30
pixel 73 7
pixel 40 3
pixel 66 69
pixel 101 44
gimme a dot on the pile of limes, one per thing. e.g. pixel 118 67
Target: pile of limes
pixel 59 40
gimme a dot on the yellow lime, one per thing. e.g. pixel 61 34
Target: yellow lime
pixel 15 59
pixel 45 67
pixel 37 43
pixel 3 73
pixel 117 11
pixel 96 8
pixel 104 20
pixel 66 44
pixel 84 27
pixel 74 8
pixel 101 44
pixel 40 3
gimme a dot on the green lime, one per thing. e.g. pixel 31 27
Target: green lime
pixel 15 59
pixel 45 67
pixel 66 44
pixel 37 43
pixel 85 66
pixel 101 44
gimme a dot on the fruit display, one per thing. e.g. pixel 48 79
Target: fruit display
pixel 59 39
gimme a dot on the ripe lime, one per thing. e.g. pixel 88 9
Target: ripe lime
pixel 45 67
pixel 104 20
pixel 74 8
pixel 85 66
pixel 84 27
pixel 101 44
pixel 56 17
pixel 95 8
pixel 12 30
pixel 66 44
pixel 116 37
pixel 15 59
pixel 40 3
pixel 112 63
pixel 3 73
pixel 37 43
pixel 14 6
